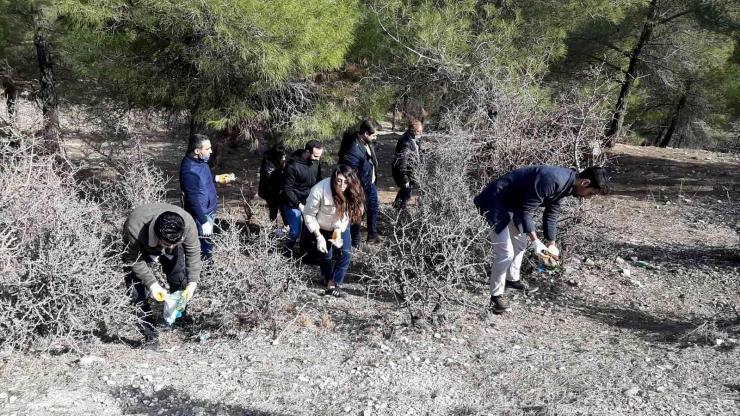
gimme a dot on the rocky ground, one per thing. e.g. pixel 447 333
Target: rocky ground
pixel 609 337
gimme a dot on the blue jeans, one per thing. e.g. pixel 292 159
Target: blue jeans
pixel 331 270
pixel 206 243
pixel 372 206
pixel 293 217
pixel 403 197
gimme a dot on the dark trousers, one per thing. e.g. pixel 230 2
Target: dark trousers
pixel 372 206
pixel 295 219
pixel 274 207
pixel 403 197
pixel 331 269
pixel 206 243
pixel 177 278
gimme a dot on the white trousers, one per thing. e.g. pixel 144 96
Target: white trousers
pixel 508 248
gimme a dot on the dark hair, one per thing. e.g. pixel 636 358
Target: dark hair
pixel 597 177
pixel 313 144
pixel 170 227
pixel 367 126
pixel 275 153
pixel 196 142
pixel 352 200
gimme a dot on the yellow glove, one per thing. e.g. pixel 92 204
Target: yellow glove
pixel 189 290
pixel 158 293
pixel 225 178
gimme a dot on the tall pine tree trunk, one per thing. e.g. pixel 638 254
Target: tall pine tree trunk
pixel 47 94
pixel 615 129
pixel 676 116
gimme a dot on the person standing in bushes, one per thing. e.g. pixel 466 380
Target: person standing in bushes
pixel 358 152
pixel 332 205
pixel 509 203
pixel 271 180
pixel 197 185
pixel 169 235
pixel 408 157
pixel 302 172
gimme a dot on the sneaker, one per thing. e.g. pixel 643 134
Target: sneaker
pixel 336 292
pixel 374 241
pixel 151 342
pixel 499 304
pixel 519 285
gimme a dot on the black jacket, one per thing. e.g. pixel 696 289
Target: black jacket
pixel 271 179
pixel 354 154
pixel 408 157
pixel 300 177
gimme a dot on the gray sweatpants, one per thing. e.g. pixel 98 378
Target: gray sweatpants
pixel 508 248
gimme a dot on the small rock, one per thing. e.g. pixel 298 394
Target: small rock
pixel 348 409
pixel 660 389
pixel 589 262
pixel 632 392
pixel 90 360
pixel 636 283
pixel 3 397
pixel 719 341
pixel 437 335
pixel 158 387
pixel 12 399
pixel 626 272
pixel 572 282
pixel 366 412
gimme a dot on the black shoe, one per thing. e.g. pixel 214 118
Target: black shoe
pixel 151 342
pixel 519 285
pixel 499 304
pixel 374 241
pixel 336 292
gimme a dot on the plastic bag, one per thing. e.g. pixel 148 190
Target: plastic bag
pixel 174 305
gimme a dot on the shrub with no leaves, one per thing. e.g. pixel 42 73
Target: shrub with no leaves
pixel 250 282
pixel 60 281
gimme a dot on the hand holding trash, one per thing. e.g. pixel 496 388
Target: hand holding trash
pixel 321 244
pixel 189 291
pixel 336 239
pixel 540 250
pixel 225 178
pixel 158 293
pixel 554 252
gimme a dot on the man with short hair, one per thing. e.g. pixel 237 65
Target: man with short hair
pixel 197 185
pixel 302 172
pixel 358 152
pixel 167 234
pixel 509 203
pixel 408 157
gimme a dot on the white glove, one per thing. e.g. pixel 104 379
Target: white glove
pixel 553 250
pixel 540 250
pixel 336 239
pixel 300 207
pixel 158 293
pixel 321 244
pixel 406 185
pixel 207 229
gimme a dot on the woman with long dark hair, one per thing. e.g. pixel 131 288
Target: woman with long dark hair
pixel 332 206
pixel 271 179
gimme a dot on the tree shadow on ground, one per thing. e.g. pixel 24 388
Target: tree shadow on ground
pixel 645 175
pixel 171 402
pixel 678 254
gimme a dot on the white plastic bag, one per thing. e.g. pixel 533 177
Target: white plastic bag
pixel 174 304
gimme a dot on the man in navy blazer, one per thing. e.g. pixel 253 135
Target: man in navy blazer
pixel 509 204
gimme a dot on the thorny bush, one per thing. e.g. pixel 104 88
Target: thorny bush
pixel 249 282
pixel 60 279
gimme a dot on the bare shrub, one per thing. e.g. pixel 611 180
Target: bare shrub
pixel 61 281
pixel 433 251
pixel 250 282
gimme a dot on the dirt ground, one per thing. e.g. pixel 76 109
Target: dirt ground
pixel 662 340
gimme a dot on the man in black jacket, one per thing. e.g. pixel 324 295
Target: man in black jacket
pixel 358 152
pixel 302 172
pixel 408 157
